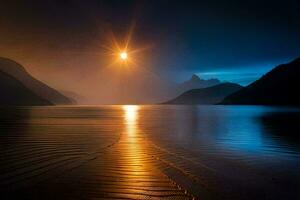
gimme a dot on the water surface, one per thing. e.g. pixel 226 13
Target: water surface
pixel 158 152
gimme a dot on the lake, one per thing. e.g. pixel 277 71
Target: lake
pixel 150 152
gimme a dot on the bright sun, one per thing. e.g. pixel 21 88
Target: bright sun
pixel 123 55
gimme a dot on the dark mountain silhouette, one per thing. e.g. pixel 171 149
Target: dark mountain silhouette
pixel 210 95
pixel 13 92
pixel 196 82
pixel 15 76
pixel 280 86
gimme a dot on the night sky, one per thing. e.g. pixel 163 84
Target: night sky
pixel 231 40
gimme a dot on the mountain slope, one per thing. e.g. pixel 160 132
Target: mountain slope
pixel 210 95
pixel 13 92
pixel 280 86
pixel 42 90
pixel 73 96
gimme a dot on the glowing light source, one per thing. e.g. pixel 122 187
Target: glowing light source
pixel 123 55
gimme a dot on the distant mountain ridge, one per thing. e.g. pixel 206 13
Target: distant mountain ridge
pixel 15 76
pixel 209 95
pixel 73 96
pixel 280 86
pixel 195 82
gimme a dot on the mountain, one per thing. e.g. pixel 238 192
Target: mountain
pixel 210 95
pixel 195 82
pixel 15 76
pixel 280 86
pixel 13 92
pixel 73 96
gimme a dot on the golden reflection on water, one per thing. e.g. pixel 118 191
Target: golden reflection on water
pixel 131 119
pixel 132 138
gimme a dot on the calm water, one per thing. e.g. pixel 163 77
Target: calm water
pixel 250 133
pixel 216 152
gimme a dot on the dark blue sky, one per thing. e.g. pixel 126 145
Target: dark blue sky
pixel 231 40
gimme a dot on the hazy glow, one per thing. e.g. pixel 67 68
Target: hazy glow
pixel 123 55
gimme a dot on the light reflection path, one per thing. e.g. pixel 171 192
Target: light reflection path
pixel 120 152
pixel 127 171
pixel 124 169
pixel 133 149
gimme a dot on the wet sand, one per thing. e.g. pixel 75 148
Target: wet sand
pixel 109 153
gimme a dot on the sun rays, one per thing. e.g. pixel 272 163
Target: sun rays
pixel 123 53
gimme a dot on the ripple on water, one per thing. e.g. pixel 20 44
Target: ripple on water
pixel 154 152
